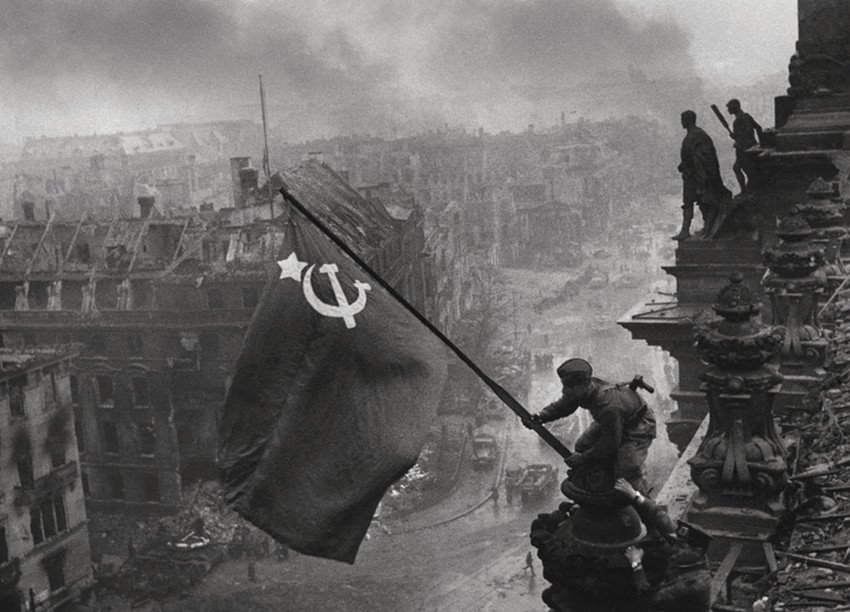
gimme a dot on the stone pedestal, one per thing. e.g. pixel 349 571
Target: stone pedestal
pixel 581 546
pixel 740 466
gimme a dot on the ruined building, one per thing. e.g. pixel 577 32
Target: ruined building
pixel 44 545
pixel 160 306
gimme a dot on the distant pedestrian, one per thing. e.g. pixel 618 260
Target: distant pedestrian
pixel 529 563
pixel 509 493
pixel 494 493
pixel 252 570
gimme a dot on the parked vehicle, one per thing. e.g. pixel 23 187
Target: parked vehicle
pixel 537 480
pixel 484 450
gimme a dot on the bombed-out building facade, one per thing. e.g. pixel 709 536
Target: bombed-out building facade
pixel 159 305
pixel 44 540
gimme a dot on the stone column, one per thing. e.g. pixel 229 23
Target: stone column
pixel 740 466
pixel 795 282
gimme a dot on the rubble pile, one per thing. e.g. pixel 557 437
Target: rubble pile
pixel 814 557
pixel 407 493
pixel 151 567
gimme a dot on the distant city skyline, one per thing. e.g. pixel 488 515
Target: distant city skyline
pixel 351 66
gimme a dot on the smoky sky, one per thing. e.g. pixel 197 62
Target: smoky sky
pixel 329 66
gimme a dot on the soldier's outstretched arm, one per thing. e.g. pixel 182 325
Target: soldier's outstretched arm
pixel 560 408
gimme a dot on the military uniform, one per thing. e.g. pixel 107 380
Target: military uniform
pixel 623 425
pixel 685 582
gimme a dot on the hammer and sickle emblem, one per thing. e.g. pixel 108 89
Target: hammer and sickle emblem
pixel 342 309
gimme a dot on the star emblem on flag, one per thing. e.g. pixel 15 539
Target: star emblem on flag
pixel 291 267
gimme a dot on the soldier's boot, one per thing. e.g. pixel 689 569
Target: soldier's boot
pixel 685 232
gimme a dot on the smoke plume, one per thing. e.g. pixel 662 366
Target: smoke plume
pixel 330 66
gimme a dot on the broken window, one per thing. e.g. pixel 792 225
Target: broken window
pixel 250 297
pixel 141 392
pixel 81 438
pixel 49 387
pixel 215 300
pixel 97 344
pixel 7 296
pixel 150 488
pixel 147 441
pixel 110 437
pixel 116 485
pixel 105 392
pixel 72 295
pixel 84 252
pixel 59 508
pixel 57 452
pixel 35 525
pixel 75 389
pixel 16 396
pixel 134 345
pixel 4 545
pixel 23 459
pixel 38 295
pixel 209 345
pixel 54 567
pixel 48 518
pixel 106 294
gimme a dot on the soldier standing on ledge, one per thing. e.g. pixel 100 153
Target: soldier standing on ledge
pixel 745 129
pixel 701 180
pixel 623 425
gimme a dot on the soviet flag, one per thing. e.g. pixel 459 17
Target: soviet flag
pixel 331 401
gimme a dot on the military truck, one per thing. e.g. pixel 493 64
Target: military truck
pixel 536 480
pixel 484 450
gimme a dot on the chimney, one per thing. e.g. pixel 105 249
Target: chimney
pixel 145 205
pixel 236 164
pixel 248 181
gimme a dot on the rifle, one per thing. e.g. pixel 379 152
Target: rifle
pixel 721 118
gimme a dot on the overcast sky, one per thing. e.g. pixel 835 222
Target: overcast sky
pixel 342 66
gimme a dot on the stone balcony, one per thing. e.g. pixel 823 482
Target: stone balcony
pixel 54 480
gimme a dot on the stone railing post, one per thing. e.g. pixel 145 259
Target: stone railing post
pixel 740 466
pixel 795 282
pixel 824 212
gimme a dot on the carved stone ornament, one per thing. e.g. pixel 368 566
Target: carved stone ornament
pixel 795 256
pixel 817 73
pixel 741 455
pixel 736 342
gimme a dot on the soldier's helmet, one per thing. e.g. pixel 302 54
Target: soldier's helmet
pixel 575 371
